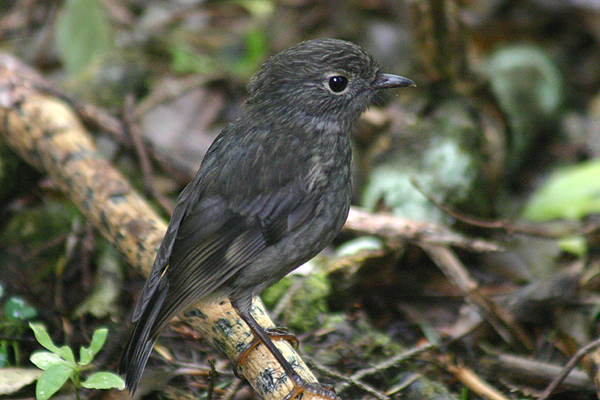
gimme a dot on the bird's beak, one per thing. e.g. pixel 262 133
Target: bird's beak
pixel 391 81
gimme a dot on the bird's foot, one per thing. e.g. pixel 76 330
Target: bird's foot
pixel 301 387
pixel 279 333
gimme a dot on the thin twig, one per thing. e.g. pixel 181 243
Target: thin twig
pixel 232 389
pixel 361 385
pixel 507 226
pixel 354 379
pixel 474 382
pixel 412 378
pixel 392 362
pixel 502 322
pixel 582 352
pixel 142 154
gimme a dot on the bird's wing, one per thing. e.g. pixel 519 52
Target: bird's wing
pixel 214 242
pixel 164 251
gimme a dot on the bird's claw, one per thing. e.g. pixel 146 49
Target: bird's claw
pixel 311 387
pixel 274 332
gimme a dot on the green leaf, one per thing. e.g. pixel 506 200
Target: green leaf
pixel 4 360
pixel 570 193
pixel 41 335
pixel 82 33
pixel 45 359
pixel 31 226
pixel 17 309
pixel 104 380
pixel 86 354
pixel 360 244
pixel 66 353
pixel 186 60
pixel 575 245
pixel 51 380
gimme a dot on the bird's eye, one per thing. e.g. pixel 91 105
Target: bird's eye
pixel 338 83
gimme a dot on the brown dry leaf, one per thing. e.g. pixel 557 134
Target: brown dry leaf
pixel 14 379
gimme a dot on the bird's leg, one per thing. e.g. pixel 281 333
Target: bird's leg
pixel 276 332
pixel 300 385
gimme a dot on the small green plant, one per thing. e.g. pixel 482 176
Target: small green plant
pixel 59 365
pixel 14 315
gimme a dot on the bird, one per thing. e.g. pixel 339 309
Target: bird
pixel 272 191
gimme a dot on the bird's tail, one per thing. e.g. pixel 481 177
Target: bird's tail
pixel 138 348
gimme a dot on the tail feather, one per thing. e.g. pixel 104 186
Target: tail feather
pixel 138 348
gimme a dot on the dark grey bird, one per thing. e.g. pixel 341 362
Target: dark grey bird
pixel 272 191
